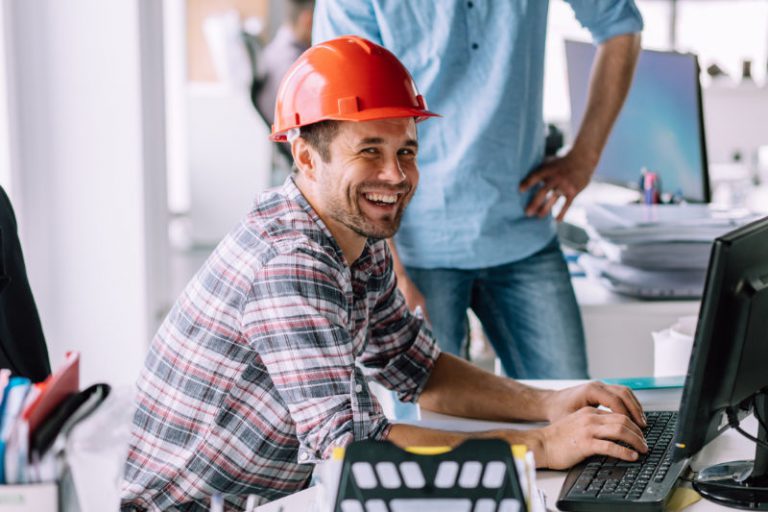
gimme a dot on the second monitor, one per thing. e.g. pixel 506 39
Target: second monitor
pixel 660 127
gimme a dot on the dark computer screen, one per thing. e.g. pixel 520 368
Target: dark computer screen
pixel 728 370
pixel 660 126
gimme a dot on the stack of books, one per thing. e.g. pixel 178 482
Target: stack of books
pixel 656 251
pixel 35 419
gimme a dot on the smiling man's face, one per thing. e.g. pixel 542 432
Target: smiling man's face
pixel 369 179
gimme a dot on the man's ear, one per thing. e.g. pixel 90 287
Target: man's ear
pixel 304 158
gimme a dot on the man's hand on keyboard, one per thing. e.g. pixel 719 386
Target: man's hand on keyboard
pixel 618 399
pixel 589 431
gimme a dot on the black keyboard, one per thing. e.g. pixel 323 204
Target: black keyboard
pixel 605 483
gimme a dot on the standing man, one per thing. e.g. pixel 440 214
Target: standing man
pixel 479 234
pixel 262 366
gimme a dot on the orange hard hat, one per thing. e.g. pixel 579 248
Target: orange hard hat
pixel 346 79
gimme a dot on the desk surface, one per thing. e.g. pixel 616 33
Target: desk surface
pixel 728 446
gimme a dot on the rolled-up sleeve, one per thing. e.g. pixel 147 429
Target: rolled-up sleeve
pixel 607 18
pixel 401 351
pixel 295 319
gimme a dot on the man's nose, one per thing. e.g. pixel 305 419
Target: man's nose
pixel 392 171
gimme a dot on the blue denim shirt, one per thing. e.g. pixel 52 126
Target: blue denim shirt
pixel 480 64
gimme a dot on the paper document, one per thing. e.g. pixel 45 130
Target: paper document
pixel 649 284
pixel 640 223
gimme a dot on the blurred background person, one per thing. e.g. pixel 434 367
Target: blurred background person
pixel 290 41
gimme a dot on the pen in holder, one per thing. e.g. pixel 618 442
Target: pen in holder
pixel 650 185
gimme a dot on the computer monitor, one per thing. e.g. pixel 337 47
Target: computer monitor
pixel 660 127
pixel 728 370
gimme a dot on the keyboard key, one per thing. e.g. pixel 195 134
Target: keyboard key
pixel 583 494
pixel 422 504
pixel 470 474
pixel 495 472
pixel 509 505
pixel 364 476
pixel 446 474
pixel 414 478
pixel 351 506
pixel 612 495
pixel 375 506
pixel 388 475
pixel 485 505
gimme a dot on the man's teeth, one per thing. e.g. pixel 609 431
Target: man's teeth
pixel 382 198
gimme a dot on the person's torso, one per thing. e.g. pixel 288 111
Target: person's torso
pixel 208 387
pixel 480 65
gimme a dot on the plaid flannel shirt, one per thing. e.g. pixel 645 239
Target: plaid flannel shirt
pixel 260 368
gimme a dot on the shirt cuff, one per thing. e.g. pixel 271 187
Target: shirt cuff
pixel 377 427
pixel 626 20
pixel 421 356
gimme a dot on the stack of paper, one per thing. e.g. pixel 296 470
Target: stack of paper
pixel 655 251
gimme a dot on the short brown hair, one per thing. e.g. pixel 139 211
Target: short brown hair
pixel 319 137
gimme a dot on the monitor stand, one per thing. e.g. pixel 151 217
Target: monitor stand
pixel 740 484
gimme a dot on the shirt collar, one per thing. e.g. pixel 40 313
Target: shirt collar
pixel 363 263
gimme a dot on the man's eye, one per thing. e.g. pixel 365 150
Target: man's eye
pixel 370 151
pixel 407 152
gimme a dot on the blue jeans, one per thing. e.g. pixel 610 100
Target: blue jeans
pixel 528 310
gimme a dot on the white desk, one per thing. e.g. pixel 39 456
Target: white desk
pixel 729 446
pixel 618 329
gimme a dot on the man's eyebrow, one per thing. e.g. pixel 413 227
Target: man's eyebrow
pixel 370 140
pixel 379 140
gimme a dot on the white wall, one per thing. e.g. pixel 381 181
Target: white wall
pixel 5 159
pixel 88 145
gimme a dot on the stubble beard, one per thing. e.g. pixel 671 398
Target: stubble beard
pixel 351 216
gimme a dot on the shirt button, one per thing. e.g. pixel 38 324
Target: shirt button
pixel 303 456
pixel 359 388
pixel 475 46
pixel 470 4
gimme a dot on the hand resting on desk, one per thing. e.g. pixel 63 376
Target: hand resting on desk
pixel 577 429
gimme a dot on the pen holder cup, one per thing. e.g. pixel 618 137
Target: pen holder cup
pixel 672 348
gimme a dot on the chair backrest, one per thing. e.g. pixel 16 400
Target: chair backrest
pixel 22 344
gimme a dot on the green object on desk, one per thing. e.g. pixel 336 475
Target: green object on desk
pixel 676 381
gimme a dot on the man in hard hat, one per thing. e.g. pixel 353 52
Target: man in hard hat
pixel 262 366
pixel 479 233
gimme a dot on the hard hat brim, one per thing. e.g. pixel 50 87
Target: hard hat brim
pixel 374 114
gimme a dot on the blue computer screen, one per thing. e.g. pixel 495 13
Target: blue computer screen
pixel 660 125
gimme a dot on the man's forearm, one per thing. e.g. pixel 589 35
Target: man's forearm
pixel 406 436
pixel 609 84
pixel 459 388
